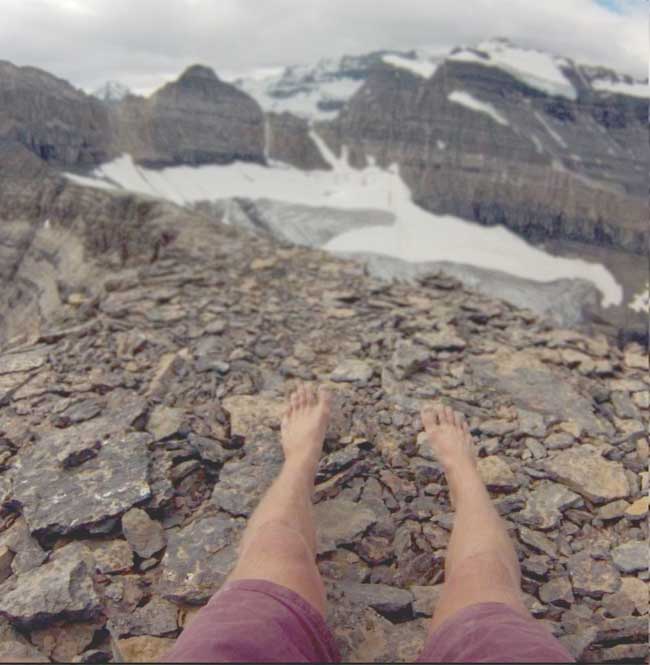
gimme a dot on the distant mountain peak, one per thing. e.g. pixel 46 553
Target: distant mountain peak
pixel 199 72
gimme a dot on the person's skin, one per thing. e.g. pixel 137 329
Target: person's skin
pixel 279 543
pixel 481 563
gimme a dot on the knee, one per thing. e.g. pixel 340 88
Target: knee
pixel 279 539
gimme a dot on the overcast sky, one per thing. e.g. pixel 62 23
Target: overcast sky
pixel 144 43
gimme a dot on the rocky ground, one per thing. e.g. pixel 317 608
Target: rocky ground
pixel 139 428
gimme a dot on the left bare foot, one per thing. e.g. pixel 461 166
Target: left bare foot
pixel 304 423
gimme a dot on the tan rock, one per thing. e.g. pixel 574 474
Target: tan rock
pixel 496 473
pixel 639 509
pixel 584 470
pixel 63 642
pixel 6 557
pixel 637 590
pixel 144 649
pixel 250 413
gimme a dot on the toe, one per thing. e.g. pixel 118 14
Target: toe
pixel 311 396
pixel 448 416
pixel 458 419
pixel 324 398
pixel 429 417
pixel 295 400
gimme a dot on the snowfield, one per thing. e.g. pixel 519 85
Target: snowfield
pixel 422 68
pixel 470 102
pixel 636 89
pixel 415 236
pixel 537 69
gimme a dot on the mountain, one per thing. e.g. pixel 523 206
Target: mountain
pixel 153 320
pixel 494 134
pixel 144 407
pixel 322 91
pixel 112 91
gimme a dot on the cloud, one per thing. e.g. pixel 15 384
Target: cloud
pixel 146 42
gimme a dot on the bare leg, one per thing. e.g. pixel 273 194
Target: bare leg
pixel 279 543
pixel 481 564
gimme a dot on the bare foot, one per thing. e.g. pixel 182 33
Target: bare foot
pixel 451 442
pixel 304 423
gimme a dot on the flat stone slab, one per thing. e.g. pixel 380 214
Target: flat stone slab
pixel 631 557
pixel 592 577
pixel 389 601
pixel 340 521
pixel 23 362
pixel 60 589
pixel 584 470
pixel 145 535
pixel 59 500
pixel 158 617
pixel 545 504
pixel 533 387
pixel 198 558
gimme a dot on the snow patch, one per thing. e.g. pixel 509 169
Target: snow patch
pixel 422 68
pixel 470 102
pixel 416 235
pixel 636 89
pixel 556 137
pixel 641 301
pixel 537 69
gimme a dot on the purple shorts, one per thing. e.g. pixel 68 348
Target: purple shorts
pixel 258 621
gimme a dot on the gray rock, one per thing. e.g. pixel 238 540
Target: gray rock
pixel 165 421
pixel 592 577
pixel 624 407
pixel 340 522
pixel 557 591
pixel 62 588
pixel 537 450
pixel 6 557
pixel 158 617
pixel 613 510
pixel 387 600
pixel 446 339
pixel 241 485
pixel 584 470
pixel 531 423
pixel 78 412
pixel 23 362
pixel 408 359
pixel 210 450
pixel 352 371
pixel 198 558
pixel 559 441
pixel 497 474
pixel 538 541
pixel 425 599
pixel 545 505
pixel 59 500
pixel 144 535
pixel 533 387
pixel 535 564
pixel 578 643
pixel 631 557
pixel 114 556
pixel 28 554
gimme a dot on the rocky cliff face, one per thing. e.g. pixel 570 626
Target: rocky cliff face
pixel 475 141
pixel 194 120
pixel 197 119
pixel 59 124
pixel 146 412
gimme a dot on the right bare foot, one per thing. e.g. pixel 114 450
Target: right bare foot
pixel 450 438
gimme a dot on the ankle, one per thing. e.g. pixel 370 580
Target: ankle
pixel 302 466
